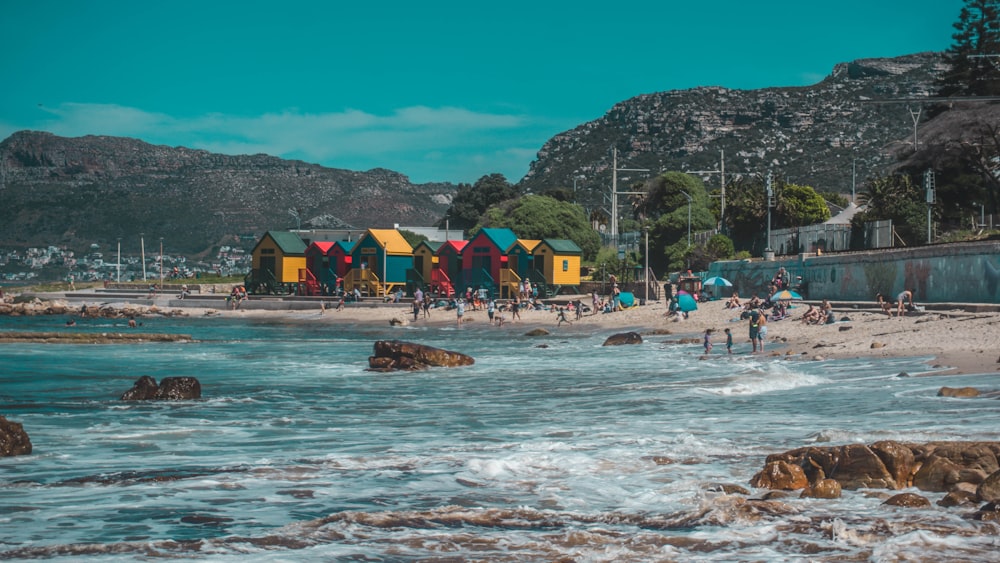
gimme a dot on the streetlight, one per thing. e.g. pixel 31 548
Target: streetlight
pixel 645 275
pixel 689 215
pixel 768 253
pixel 142 248
pixel 119 260
pixel 161 263
pixel 615 193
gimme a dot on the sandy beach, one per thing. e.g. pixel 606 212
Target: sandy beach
pixel 963 342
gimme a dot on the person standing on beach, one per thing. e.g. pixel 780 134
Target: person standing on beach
pixel 906 296
pixel 460 310
pixel 754 317
pixel 515 307
pixel 729 341
pixel 491 309
pixel 416 308
pixel 708 341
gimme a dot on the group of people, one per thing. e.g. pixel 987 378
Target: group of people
pixel 819 315
pixel 236 297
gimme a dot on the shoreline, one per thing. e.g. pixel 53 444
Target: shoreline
pixel 960 342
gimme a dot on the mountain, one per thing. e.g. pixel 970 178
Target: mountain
pixel 811 135
pixel 76 191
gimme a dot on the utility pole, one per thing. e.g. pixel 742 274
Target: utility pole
pixel 614 192
pixel 722 186
pixel 119 276
pixel 768 252
pixel 142 248
pixel 929 186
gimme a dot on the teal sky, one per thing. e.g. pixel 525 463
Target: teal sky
pixel 439 91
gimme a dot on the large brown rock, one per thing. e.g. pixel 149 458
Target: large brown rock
pixel 898 460
pixel 825 488
pixel 623 338
pixel 958 392
pixel 780 475
pixel 13 439
pixel 409 356
pixel 989 489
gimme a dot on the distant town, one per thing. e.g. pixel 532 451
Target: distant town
pixel 104 264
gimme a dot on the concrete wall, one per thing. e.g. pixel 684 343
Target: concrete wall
pixel 960 272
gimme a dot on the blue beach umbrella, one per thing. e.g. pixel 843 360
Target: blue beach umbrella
pixel 718 281
pixel 685 302
pixel 786 295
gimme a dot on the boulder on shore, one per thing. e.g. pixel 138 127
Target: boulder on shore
pixel 169 389
pixel 623 338
pixel 393 355
pixel 13 439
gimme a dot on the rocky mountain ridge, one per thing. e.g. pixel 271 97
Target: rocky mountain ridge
pixel 71 191
pixel 812 135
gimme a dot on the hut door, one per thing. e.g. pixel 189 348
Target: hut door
pixel 267 264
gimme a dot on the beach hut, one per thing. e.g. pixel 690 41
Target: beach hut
pixel 340 257
pixel 424 262
pixel 558 261
pixel 315 277
pixel 277 259
pixel 518 265
pixel 379 262
pixel 482 258
pixel 447 274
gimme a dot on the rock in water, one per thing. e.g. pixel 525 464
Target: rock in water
pixel 143 389
pixel 13 439
pixel 393 355
pixel 623 338
pixel 170 388
pixel 178 388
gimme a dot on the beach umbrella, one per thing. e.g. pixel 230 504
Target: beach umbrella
pixel 718 281
pixel 685 302
pixel 786 295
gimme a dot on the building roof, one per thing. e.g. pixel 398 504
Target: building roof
pixel 288 242
pixel 501 238
pixel 527 244
pixel 322 246
pixel 393 242
pixel 562 246
pixel 345 245
pixel 455 245
pixel 431 245
pixel 845 216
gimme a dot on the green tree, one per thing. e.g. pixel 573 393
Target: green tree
pixel 977 33
pixel 897 198
pixel 799 206
pixel 470 202
pixel 411 237
pixel 664 209
pixel 540 217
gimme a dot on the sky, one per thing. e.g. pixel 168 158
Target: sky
pixel 439 91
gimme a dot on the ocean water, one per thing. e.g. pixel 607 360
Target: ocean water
pixel 572 452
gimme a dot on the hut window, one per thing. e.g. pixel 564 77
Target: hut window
pixel 565 265
pixel 267 251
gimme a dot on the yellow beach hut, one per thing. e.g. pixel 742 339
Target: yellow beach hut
pixel 558 260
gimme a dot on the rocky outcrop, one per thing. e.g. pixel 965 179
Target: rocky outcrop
pixel 36 307
pixel 13 439
pixel 169 389
pixel 623 338
pixel 934 467
pixel 393 355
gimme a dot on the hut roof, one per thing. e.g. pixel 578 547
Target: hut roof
pixel 432 245
pixel 501 238
pixel 562 246
pixel 322 246
pixel 527 244
pixel 345 245
pixel 393 242
pixel 288 242
pixel 456 245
